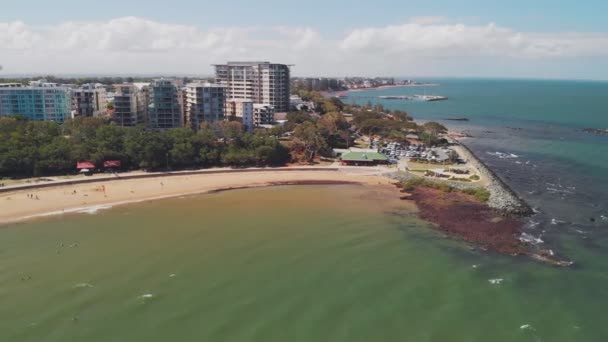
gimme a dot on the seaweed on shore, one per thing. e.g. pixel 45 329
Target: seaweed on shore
pixel 466 215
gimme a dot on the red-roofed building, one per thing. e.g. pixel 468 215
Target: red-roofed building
pixel 85 165
pixel 112 164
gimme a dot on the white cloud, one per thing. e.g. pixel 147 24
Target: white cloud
pixel 430 45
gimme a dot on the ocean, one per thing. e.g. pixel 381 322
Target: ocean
pixel 293 263
pixel 530 133
pixel 340 262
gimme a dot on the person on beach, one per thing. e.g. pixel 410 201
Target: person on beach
pixel 103 188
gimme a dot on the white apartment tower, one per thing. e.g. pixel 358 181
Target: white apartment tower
pixel 204 103
pixel 89 100
pixel 261 82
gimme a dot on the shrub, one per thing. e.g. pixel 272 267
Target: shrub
pixel 480 194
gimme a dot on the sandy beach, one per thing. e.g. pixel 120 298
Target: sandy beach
pixel 20 205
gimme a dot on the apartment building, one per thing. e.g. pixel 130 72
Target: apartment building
pixel 40 101
pixel 165 110
pixel 263 114
pixel 89 100
pixel 260 82
pixel 204 103
pixel 130 104
pixel 241 110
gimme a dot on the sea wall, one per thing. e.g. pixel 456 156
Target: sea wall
pixel 502 197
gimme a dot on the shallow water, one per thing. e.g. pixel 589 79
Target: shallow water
pixel 308 263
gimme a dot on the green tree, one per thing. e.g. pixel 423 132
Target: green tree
pixel 308 134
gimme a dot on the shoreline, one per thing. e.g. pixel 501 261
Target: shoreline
pixel 90 196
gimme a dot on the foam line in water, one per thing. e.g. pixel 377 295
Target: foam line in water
pixel 496 281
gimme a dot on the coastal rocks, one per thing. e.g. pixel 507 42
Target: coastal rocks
pixel 596 131
pixel 502 198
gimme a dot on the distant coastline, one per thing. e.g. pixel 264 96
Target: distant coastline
pixel 392 86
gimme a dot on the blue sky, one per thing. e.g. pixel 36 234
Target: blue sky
pixel 537 15
pixel 548 39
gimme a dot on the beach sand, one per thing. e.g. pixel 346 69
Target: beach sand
pixel 22 205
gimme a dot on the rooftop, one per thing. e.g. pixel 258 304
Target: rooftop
pixel 364 156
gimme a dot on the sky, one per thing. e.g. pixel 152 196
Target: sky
pixel 516 39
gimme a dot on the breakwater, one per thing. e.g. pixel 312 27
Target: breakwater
pixel 502 197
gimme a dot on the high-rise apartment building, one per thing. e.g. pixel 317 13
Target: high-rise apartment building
pixel 89 100
pixel 39 101
pixel 204 103
pixel 165 110
pixel 130 104
pixel 260 82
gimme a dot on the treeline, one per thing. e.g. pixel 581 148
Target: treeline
pixel 29 148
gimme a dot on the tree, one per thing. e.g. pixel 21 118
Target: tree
pixel 432 129
pixel 183 152
pixel 310 137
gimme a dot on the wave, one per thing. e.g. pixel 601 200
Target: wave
pixel 528 238
pixel 503 155
pixel 83 286
pixel 94 209
pixel 496 281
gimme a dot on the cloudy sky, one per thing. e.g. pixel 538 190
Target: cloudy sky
pixel 540 39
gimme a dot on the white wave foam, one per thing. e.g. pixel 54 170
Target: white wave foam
pixel 145 297
pixel 503 155
pixel 87 209
pixel 94 209
pixel 556 222
pixel 496 281
pixel 604 218
pixel 527 327
pixel 172 275
pixel 527 238
pixel 532 224
pixel 83 286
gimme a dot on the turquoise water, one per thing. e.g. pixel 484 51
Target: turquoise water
pixel 559 169
pixel 319 263
pixel 336 263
